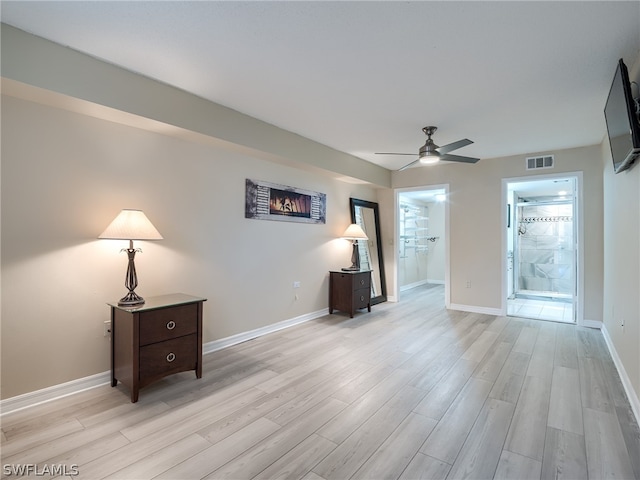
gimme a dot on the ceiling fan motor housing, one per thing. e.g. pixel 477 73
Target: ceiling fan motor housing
pixel 428 153
pixel 429 148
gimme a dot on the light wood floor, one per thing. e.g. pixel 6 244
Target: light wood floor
pixel 409 391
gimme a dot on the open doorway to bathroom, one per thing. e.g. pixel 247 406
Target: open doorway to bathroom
pixel 542 246
pixel 421 240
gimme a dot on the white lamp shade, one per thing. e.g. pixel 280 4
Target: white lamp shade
pixel 354 232
pixel 131 225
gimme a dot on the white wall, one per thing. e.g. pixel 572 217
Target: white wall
pixel 386 200
pixel 65 176
pixel 621 313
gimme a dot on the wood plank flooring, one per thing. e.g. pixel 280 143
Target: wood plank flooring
pixel 408 391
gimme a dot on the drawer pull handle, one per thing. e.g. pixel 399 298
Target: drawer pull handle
pixel 171 325
pixel 361 282
pixel 171 357
pixel 362 298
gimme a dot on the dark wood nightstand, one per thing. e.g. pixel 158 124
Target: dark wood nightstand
pixel 159 338
pixel 350 291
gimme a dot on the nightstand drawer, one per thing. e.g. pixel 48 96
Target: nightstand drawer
pixel 362 280
pixel 361 298
pixel 171 356
pixel 168 323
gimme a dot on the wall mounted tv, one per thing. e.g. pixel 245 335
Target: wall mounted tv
pixel 623 125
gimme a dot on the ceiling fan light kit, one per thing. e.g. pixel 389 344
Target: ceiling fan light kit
pixel 430 153
pixel 429 158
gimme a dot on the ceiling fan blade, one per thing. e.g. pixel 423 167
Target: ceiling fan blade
pixel 409 165
pixel 393 153
pixel 458 158
pixel 454 146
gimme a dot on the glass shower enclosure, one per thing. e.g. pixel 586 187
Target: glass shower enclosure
pixel 545 264
pixel 543 257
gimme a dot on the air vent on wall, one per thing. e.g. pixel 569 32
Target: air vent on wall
pixel 534 163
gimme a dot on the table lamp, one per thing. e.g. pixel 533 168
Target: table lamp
pixel 131 225
pixel 354 233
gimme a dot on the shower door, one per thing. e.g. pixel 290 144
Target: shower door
pixel 544 256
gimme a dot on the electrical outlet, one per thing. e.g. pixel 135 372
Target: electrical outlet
pixel 468 283
pixel 107 328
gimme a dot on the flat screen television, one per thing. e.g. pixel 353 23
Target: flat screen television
pixel 623 127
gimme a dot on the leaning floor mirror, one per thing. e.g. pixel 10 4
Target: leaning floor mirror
pixel 366 215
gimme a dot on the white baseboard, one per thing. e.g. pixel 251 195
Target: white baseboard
pixel 258 332
pixel 591 324
pixel 626 382
pixel 409 286
pixel 55 392
pixel 475 309
pixel 419 283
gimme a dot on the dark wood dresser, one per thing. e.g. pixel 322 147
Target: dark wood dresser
pixel 350 291
pixel 159 338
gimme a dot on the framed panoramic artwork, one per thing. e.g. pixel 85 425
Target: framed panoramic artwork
pixel 270 201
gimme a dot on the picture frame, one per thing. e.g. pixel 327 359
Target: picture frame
pixel 271 201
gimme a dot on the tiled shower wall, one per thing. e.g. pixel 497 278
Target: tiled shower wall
pixel 546 249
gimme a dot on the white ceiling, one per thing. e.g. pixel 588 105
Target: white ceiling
pixel 551 187
pixel 429 195
pixel 364 77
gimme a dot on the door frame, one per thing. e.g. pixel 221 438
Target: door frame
pixel 396 236
pixel 578 240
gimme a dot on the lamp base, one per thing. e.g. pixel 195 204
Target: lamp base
pixel 131 299
pixel 355 259
pixel 351 269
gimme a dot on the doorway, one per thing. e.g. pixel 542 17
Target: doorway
pixel 421 239
pixel 542 248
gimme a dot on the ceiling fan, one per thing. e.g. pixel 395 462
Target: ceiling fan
pixel 431 153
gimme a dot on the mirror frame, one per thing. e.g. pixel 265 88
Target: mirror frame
pixel 353 203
